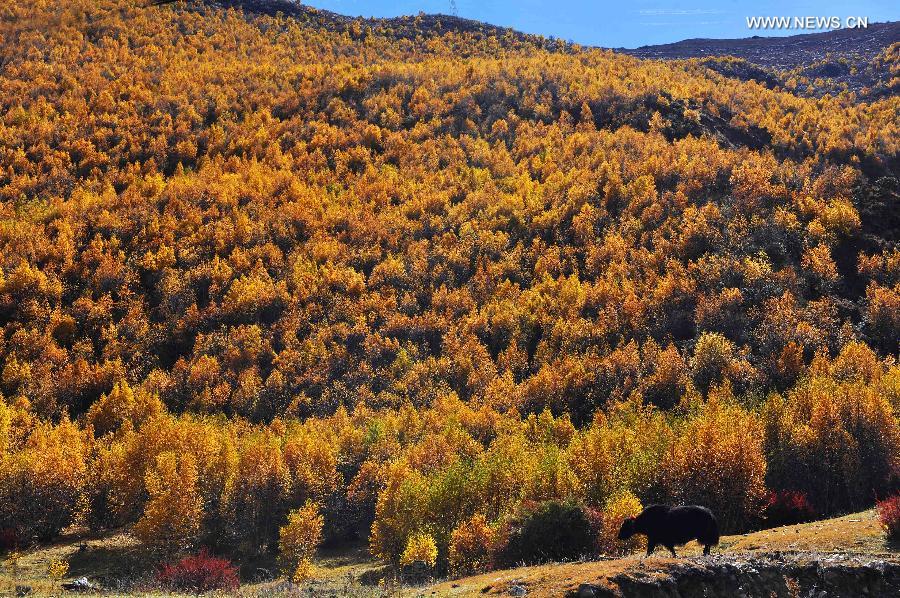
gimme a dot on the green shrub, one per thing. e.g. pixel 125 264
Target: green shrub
pixel 551 531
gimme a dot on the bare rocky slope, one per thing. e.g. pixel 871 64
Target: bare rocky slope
pixel 766 575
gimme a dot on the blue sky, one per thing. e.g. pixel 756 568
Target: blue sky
pixel 627 23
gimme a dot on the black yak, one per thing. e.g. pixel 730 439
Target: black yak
pixel 673 526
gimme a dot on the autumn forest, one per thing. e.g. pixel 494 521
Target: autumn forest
pixel 268 285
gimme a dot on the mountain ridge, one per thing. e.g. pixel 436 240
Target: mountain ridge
pixel 857 60
pixel 880 34
pixel 877 31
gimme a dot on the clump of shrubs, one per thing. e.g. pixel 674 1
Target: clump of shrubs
pixel 787 507
pixel 834 435
pixel 471 545
pixel 551 531
pixel 41 483
pixel 419 557
pixel 617 509
pixel 889 515
pixel 198 573
pixel 718 461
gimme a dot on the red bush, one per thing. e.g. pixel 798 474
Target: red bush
pixel 889 515
pixel 787 507
pixel 199 573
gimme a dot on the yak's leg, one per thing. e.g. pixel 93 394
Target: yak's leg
pixel 706 549
pixel 672 550
pixel 651 546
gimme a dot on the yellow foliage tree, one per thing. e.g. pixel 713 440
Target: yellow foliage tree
pixel 420 548
pixel 174 511
pixel 122 407
pixel 400 508
pixel 42 483
pixel 717 460
pixel 299 539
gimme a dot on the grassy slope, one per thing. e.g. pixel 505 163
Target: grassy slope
pixel 353 573
pixel 858 533
pixel 350 572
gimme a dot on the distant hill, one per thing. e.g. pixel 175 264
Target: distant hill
pixel 781 52
pixel 858 57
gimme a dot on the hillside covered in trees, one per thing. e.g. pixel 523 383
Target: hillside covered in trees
pixel 273 280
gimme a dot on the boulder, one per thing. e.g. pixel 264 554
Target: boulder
pixel 590 590
pixel 80 585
